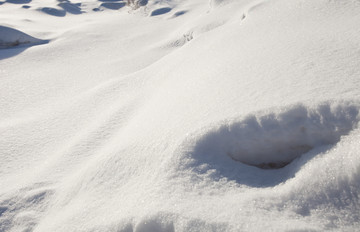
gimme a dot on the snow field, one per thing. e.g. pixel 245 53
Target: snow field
pixel 180 116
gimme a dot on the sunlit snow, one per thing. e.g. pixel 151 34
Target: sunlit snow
pixel 179 115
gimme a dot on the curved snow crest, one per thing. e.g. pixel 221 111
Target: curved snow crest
pixel 240 148
pixel 10 37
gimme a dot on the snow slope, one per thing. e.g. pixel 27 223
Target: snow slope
pixel 179 115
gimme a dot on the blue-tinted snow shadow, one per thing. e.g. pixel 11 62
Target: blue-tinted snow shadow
pixel 2 210
pixel 10 52
pixel 18 1
pixel 6 53
pixel 142 2
pixel 265 150
pixel 72 8
pixel 53 11
pixel 160 11
pixel 13 42
pixel 179 13
pixel 113 5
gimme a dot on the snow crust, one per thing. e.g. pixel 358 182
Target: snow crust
pixel 201 115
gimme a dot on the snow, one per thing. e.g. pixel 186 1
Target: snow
pixel 273 141
pixel 12 38
pixel 172 115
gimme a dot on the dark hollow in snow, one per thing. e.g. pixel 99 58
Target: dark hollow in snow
pixel 2 210
pixel 271 141
pixel 113 5
pixel 53 11
pixel 179 13
pixel 19 1
pixel 160 11
pixel 142 2
pixel 71 7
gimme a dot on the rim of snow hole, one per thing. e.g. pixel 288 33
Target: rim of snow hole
pixel 266 148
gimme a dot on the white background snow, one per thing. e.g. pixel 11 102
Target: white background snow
pixel 179 115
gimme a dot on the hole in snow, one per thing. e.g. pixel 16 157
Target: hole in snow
pixel 113 5
pixel 270 140
pixel 160 11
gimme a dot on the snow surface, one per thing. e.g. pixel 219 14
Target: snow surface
pixel 179 115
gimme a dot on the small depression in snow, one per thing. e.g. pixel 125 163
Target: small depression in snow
pixel 270 141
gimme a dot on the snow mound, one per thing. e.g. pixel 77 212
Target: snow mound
pixel 271 139
pixel 10 37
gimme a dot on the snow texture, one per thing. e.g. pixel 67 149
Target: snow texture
pixel 179 115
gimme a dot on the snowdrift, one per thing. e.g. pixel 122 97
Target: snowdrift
pixel 174 115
